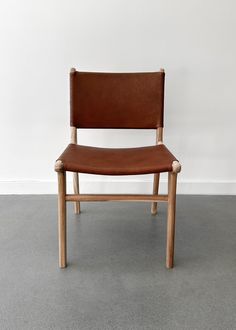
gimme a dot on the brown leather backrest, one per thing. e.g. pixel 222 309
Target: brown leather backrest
pixel 117 100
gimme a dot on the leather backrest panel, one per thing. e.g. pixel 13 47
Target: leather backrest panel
pixel 117 100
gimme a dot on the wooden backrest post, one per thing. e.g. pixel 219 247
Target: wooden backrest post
pixel 73 135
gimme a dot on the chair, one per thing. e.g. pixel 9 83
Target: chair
pixel 117 100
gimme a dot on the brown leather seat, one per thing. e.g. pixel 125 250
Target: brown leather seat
pixel 124 161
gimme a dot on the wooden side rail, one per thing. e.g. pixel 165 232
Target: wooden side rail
pixel 116 197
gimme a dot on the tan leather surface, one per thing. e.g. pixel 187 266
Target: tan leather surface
pixel 125 161
pixel 117 100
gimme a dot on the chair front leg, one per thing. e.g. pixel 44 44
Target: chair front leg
pixel 172 182
pixel 155 192
pixel 62 218
pixel 172 178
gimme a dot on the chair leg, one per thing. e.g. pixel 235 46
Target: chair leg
pixel 172 180
pixel 155 191
pixel 76 191
pixel 62 218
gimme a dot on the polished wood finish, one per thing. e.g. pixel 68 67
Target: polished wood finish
pixel 116 197
pixel 172 180
pixel 62 218
pixel 75 175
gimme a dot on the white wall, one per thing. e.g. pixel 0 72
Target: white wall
pixel 195 41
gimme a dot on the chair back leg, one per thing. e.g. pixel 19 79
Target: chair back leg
pixel 76 191
pixel 62 218
pixel 172 180
pixel 155 192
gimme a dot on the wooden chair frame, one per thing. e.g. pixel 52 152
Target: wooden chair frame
pixel 170 198
pixel 63 197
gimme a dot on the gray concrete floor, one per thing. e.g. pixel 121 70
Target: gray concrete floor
pixel 116 277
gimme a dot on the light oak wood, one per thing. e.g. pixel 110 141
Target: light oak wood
pixel 58 166
pixel 156 179
pixel 73 136
pixel 116 197
pixel 176 167
pixel 62 218
pixel 76 191
pixel 172 180
pixel 159 137
pixel 75 175
pixel 155 192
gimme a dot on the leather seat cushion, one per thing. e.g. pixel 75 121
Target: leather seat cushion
pixel 118 161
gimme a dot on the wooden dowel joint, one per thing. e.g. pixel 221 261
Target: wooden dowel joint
pixel 176 166
pixel 59 166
